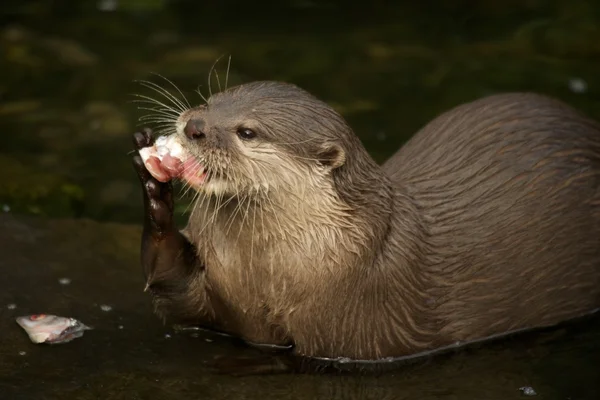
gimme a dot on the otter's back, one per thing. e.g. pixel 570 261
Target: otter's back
pixel 508 190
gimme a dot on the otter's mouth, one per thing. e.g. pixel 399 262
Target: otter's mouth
pixel 194 173
pixel 167 159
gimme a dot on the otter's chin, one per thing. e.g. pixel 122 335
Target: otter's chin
pixel 215 186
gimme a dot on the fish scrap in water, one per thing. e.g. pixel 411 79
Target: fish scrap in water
pixel 45 328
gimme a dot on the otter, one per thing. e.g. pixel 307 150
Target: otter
pixel 485 222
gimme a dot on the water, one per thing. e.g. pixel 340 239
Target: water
pixel 65 107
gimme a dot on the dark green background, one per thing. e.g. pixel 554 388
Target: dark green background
pixel 68 72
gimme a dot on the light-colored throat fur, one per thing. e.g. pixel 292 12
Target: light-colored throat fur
pixel 283 237
pixel 306 246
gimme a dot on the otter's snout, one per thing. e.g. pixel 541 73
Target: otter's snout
pixel 194 129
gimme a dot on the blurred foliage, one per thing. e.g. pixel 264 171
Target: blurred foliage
pixel 389 67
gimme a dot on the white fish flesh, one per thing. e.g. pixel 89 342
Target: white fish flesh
pixel 167 159
pixel 45 328
pixel 163 145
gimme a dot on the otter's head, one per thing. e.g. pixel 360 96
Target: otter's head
pixel 263 136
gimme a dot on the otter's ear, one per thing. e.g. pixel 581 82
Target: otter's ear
pixel 331 155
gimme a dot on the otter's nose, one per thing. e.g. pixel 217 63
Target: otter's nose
pixel 194 129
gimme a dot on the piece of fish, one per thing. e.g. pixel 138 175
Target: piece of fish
pixel 45 328
pixel 163 146
pixel 165 159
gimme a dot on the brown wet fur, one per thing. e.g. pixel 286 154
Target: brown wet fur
pixel 487 221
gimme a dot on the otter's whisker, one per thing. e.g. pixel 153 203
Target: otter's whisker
pixel 185 189
pixel 210 76
pixel 161 127
pixel 244 220
pixel 165 93
pixel 210 220
pixel 237 209
pixel 152 101
pixel 252 233
pixel 201 95
pixel 218 80
pixel 187 186
pixel 231 218
pixel 177 105
pixel 176 88
pixel 157 102
pixel 202 206
pixel 160 130
pixel 277 243
pixel 190 167
pixel 259 202
pixel 281 232
pixel 148 100
pixel 158 122
pixel 221 205
pixel 227 73
pixel 218 200
pixel 157 118
pixel 224 203
pixel 160 111
pixel 193 201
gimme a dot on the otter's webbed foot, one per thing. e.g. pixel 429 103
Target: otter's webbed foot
pixel 166 253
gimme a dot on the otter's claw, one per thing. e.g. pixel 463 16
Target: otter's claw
pixel 166 252
pixel 158 196
pixel 143 139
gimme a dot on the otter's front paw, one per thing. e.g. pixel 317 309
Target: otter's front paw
pixel 158 196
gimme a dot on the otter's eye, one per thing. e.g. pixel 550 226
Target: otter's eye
pixel 246 133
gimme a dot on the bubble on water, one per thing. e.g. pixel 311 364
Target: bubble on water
pixel 527 391
pixel 105 307
pixel 120 326
pixel 208 340
pixel 578 85
pixel 167 336
pixel 22 353
pixel 64 281
pixel 11 306
pixel 5 208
